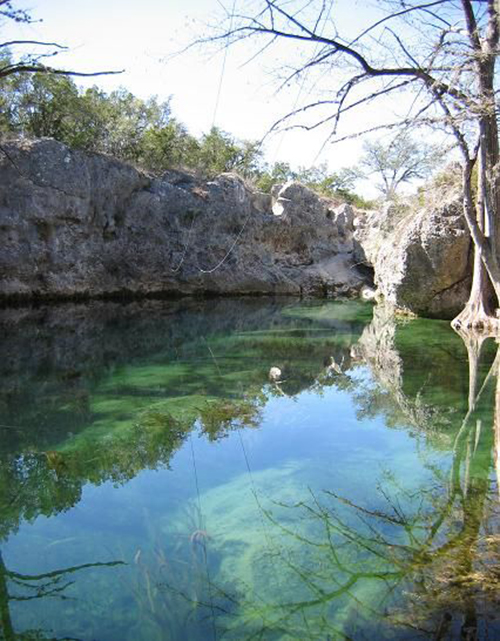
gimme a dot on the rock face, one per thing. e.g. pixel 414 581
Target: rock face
pixel 77 224
pixel 371 230
pixel 423 266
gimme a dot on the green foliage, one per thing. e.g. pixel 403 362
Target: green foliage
pixel 145 132
pixel 10 89
pixel 44 105
pixel 168 146
pixel 48 106
pixel 219 417
pixel 219 152
pixel 278 173
pixel 118 124
pixel 338 185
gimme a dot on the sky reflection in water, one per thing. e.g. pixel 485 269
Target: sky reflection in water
pixel 155 484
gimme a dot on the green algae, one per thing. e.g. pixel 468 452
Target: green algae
pixel 285 559
pixel 355 497
pixel 331 312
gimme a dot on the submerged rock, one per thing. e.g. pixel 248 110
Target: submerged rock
pixel 274 374
pixel 78 224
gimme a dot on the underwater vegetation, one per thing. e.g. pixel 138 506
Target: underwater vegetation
pixel 157 483
pixel 20 587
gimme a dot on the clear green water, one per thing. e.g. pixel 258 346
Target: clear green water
pixel 156 484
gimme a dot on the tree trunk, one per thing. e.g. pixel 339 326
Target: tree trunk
pixel 6 629
pixel 474 344
pixel 478 313
pixel 489 189
pixel 496 427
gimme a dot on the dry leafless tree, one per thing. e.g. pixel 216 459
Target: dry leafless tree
pixel 441 53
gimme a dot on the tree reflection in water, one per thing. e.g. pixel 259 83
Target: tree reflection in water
pixel 425 563
pixel 417 562
pixel 15 587
pixel 408 561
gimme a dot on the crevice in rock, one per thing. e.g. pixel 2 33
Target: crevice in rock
pixel 450 287
pixel 32 180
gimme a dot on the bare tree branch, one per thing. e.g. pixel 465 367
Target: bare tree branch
pixel 34 68
pixel 28 63
pixel 41 43
pixel 393 16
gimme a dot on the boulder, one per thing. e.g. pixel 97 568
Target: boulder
pixel 424 265
pixel 344 217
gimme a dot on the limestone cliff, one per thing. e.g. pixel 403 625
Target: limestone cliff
pixel 78 224
pixel 422 263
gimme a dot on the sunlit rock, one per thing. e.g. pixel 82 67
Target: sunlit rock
pixel 274 374
pixel 74 224
pixel 423 266
pixel 279 207
pixel 368 293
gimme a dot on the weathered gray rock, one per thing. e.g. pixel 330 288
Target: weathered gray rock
pixel 372 228
pixel 423 266
pixel 344 217
pixel 309 229
pixel 77 224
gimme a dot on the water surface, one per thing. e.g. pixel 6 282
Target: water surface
pixel 155 483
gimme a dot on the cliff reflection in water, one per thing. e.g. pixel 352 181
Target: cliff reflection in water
pixel 415 560
pixel 355 497
pixel 99 392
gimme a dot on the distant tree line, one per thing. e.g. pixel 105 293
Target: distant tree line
pixel 145 133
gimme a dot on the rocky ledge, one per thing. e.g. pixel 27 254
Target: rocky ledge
pixel 74 224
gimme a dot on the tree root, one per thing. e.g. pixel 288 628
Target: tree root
pixel 475 317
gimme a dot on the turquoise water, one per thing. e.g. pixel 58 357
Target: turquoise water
pixel 156 483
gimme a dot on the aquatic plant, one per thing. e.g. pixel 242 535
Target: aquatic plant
pixel 219 417
pixel 293 522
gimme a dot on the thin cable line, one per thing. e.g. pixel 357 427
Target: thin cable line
pixel 261 509
pixel 214 629
pixel 301 88
pixel 223 68
pixel 221 262
pixel 174 271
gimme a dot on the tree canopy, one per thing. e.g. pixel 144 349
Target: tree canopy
pixel 397 161
pixel 144 132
